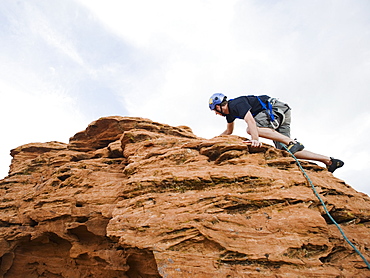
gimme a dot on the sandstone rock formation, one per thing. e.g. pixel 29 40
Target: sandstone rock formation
pixel 129 197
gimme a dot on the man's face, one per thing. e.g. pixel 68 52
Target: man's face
pixel 218 110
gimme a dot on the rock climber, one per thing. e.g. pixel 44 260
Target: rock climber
pixel 268 118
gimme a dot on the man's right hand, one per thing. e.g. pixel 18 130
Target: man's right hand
pixel 254 143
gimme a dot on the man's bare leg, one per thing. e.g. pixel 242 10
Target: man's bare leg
pixel 272 134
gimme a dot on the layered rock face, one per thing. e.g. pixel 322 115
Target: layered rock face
pixel 129 197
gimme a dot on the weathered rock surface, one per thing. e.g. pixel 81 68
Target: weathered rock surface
pixel 129 197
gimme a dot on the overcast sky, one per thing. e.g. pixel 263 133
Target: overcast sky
pixel 66 63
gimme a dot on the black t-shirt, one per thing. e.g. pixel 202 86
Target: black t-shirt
pixel 239 106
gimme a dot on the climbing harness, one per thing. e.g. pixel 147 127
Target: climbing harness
pixel 326 210
pixel 274 122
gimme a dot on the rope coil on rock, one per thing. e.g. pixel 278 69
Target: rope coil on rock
pixel 326 210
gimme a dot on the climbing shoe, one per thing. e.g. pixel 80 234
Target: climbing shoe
pixel 294 147
pixel 335 164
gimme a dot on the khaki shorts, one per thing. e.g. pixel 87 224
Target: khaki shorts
pixel 282 113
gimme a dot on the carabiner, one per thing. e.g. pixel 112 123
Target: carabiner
pixel 275 124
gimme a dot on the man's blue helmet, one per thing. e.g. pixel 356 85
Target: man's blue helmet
pixel 216 99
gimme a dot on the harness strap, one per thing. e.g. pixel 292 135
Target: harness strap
pixel 268 107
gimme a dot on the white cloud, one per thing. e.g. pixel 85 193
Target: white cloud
pixel 35 116
pixel 145 23
pixel 190 38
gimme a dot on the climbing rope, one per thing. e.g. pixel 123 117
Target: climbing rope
pixel 326 210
